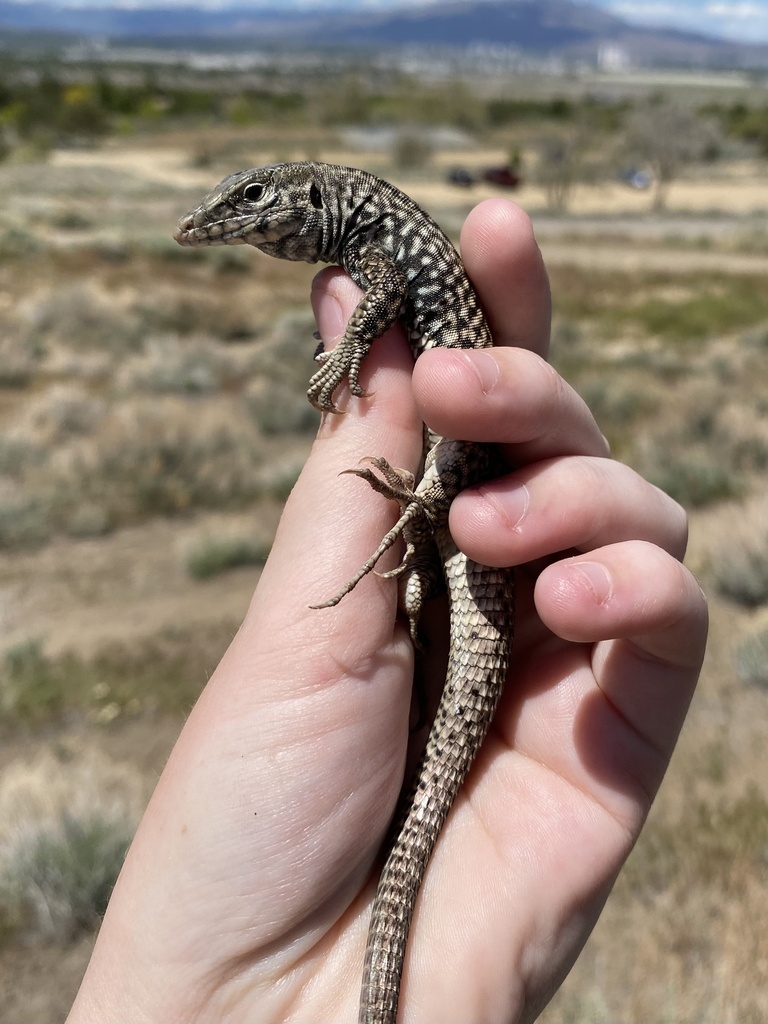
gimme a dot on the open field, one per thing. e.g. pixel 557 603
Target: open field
pixel 142 475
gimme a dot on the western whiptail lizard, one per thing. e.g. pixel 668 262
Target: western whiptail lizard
pixel 409 271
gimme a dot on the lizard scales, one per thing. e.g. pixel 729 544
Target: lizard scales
pixel 409 271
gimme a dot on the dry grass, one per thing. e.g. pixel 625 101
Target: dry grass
pixel 141 470
pixel 66 823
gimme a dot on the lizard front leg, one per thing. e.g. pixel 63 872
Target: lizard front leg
pixel 382 303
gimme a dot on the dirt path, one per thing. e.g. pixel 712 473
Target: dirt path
pixel 628 258
pixel 83 594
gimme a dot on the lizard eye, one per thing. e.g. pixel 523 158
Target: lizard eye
pixel 252 193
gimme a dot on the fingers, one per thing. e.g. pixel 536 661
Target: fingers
pixel 505 265
pixel 631 590
pixel 575 502
pixel 656 614
pixel 508 396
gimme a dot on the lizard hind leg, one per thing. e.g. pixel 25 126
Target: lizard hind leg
pixel 414 526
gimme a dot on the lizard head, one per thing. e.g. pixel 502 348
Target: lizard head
pixel 278 209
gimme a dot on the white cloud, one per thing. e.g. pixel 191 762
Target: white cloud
pixel 742 11
pixel 644 10
pixel 746 20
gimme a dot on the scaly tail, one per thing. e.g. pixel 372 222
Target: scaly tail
pixel 482 611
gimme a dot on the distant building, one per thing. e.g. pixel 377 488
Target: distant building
pixel 612 57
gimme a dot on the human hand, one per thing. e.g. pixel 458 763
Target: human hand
pixel 247 891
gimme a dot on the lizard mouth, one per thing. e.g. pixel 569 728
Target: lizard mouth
pixel 212 232
pixel 230 231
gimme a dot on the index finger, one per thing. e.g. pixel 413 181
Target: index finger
pixel 506 267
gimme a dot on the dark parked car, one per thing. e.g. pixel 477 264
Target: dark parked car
pixel 460 176
pixel 503 176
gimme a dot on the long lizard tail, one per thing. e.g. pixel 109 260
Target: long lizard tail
pixel 482 612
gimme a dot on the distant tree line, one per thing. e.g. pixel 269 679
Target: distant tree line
pixel 59 104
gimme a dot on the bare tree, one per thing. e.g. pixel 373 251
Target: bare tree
pixel 668 137
pixel 559 167
pixel 575 154
pixel 412 149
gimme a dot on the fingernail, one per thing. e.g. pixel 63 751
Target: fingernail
pixel 596 575
pixel 511 505
pixel 330 319
pixel 485 367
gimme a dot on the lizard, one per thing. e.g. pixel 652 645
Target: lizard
pixel 409 272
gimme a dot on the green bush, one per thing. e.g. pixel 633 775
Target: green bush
pixel 695 481
pixel 218 554
pixel 285 410
pixel 751 660
pixel 33 688
pixel 24 523
pixel 57 878
pixel 741 572
pixel 166 671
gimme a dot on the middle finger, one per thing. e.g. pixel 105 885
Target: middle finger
pixel 575 503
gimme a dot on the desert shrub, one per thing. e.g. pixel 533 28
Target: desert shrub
pixel 706 305
pixel 18 453
pixel 67 812
pixel 71 220
pixel 718 307
pixel 57 878
pixel 80 317
pixel 616 405
pixel 32 687
pixel 193 367
pixel 166 671
pixel 159 464
pixel 167 311
pixel 214 555
pixel 750 659
pixel 565 334
pixel 278 482
pixel 19 356
pixel 17 243
pixel 741 570
pixel 59 413
pixel 695 480
pixel 24 522
pixel 286 354
pixel 231 260
pixel 508 111
pixel 283 410
pixel 708 842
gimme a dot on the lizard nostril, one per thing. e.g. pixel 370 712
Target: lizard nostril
pixel 183 229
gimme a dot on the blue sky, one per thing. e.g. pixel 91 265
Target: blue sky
pixel 734 19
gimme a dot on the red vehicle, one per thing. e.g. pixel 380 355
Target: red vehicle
pixel 502 176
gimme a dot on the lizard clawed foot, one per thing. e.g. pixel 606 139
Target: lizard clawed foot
pixel 413 525
pixel 341 364
pixel 397 484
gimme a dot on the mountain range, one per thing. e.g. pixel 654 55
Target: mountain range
pixel 540 28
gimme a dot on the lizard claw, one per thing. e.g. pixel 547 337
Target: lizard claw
pixel 397 484
pixel 341 364
pixel 415 526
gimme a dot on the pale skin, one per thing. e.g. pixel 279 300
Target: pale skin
pixel 247 892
